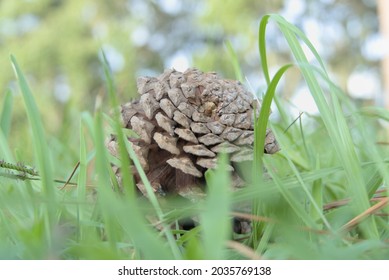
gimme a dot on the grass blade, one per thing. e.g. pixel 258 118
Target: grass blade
pixel 106 197
pixel 6 112
pixel 125 149
pixel 216 223
pixel 262 122
pixel 41 151
pixel 235 62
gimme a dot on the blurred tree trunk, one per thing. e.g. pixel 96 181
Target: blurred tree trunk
pixel 383 13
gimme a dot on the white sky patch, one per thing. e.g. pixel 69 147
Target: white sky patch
pixel 293 9
pixel 138 7
pixel 304 102
pixel 28 22
pixel 179 61
pixel 62 89
pixel 354 27
pixel 115 58
pixel 331 31
pixel 171 6
pixel 363 84
pixel 375 47
pixel 140 36
pixel 157 42
pixel 23 24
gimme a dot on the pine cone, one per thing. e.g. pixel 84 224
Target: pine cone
pixel 183 121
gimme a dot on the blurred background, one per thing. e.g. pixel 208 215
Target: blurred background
pixel 58 45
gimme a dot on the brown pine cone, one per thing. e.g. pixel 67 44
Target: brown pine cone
pixel 183 121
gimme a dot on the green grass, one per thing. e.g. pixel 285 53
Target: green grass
pixel 314 201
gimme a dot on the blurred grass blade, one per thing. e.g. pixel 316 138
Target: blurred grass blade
pixel 81 181
pixel 317 194
pixel 293 201
pixel 315 202
pixel 6 113
pixel 119 214
pixel 215 220
pixel 87 119
pixel 265 238
pixel 376 112
pixel 41 150
pixel 136 214
pixel 4 148
pixel 130 218
pixel 127 178
pixel 106 197
pixel 128 182
pixel 235 62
